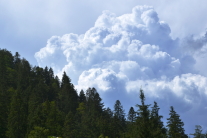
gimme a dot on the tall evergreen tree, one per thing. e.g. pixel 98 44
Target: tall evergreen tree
pixel 131 115
pixel 34 103
pixel 175 125
pixel 93 101
pixel 54 120
pixel 119 111
pixel 69 129
pixel 81 123
pixel 65 80
pixel 49 80
pixel 17 117
pixel 143 121
pixel 17 59
pixel 94 109
pixel 68 97
pixel 7 84
pixel 119 120
pixel 131 132
pixel 157 127
pixel 82 97
pixel 198 132
pixel 106 126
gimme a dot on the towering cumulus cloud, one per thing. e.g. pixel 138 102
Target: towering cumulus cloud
pixel 120 54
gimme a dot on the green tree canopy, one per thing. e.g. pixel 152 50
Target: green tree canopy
pixel 175 125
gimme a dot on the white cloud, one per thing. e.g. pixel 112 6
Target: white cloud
pixel 119 54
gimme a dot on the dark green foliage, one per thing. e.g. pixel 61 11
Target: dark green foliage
pixel 69 129
pixel 131 115
pixel 47 115
pixel 156 124
pixel 175 125
pixel 68 97
pixel 65 80
pixel 93 101
pixel 17 119
pixel 36 104
pixel 38 132
pixel 7 74
pixel 198 131
pixel 105 123
pixel 143 124
pixel 119 120
pixel 17 59
pixel 82 97
pixel 131 125
pixel 54 120
pixel 92 114
pixel 119 111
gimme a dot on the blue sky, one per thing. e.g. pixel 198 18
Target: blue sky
pixel 118 46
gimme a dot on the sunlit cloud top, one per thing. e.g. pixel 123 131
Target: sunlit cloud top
pixel 119 54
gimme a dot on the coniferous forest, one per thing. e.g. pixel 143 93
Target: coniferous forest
pixel 36 104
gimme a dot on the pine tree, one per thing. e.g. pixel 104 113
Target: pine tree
pixel 143 119
pixel 131 115
pixel 17 59
pixel 105 122
pixel 157 127
pixel 69 129
pixel 68 97
pixel 54 120
pixel 17 117
pixel 7 76
pixel 119 111
pixel 38 95
pixel 82 97
pixel 94 110
pixel 81 121
pixel 175 125
pixel 131 132
pixel 93 101
pixel 198 132
pixel 119 119
pixel 65 80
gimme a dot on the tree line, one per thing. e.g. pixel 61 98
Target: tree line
pixel 36 104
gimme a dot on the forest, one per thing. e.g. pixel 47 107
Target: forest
pixel 34 103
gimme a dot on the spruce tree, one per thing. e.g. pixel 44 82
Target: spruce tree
pixel 69 129
pixel 131 131
pixel 93 101
pixel 54 120
pixel 157 127
pixel 131 115
pixel 198 132
pixel 143 119
pixel 175 125
pixel 94 108
pixel 17 117
pixel 119 111
pixel 82 97
pixel 119 119
pixel 68 97
pixel 106 123
pixel 7 85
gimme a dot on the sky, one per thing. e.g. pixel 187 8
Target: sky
pixel 118 47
